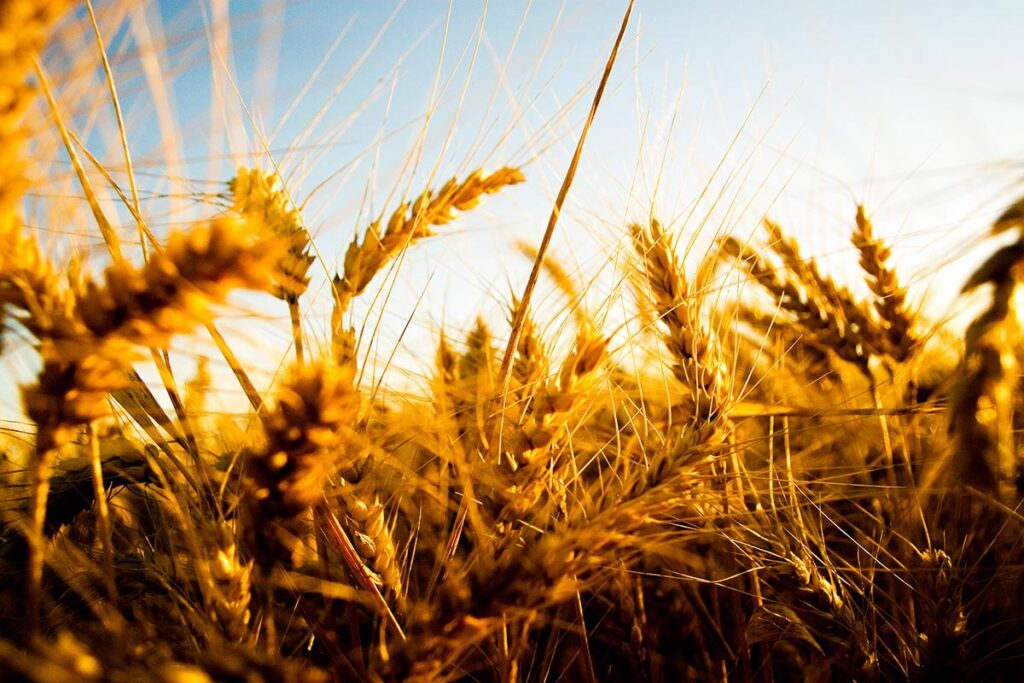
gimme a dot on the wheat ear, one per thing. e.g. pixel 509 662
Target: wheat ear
pixel 83 329
pixel 566 284
pixel 534 455
pixel 843 313
pixel 890 296
pixel 530 363
pixel 24 27
pixel 410 223
pixel 695 348
pixel 258 197
pixel 286 478
pixel 981 408
pixel 228 591
pixel 364 517
pixel 822 323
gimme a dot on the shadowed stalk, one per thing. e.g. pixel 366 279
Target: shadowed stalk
pixel 102 512
pixel 39 480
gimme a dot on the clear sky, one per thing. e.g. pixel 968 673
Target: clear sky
pixel 795 109
pixel 912 107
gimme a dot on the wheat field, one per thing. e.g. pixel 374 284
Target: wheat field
pixel 774 475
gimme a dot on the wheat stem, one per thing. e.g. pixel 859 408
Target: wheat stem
pixel 296 320
pixel 40 490
pixel 102 512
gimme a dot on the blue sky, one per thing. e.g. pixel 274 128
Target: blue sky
pixel 902 105
pixel 718 113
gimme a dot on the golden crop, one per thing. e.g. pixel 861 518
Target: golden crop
pixel 798 483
